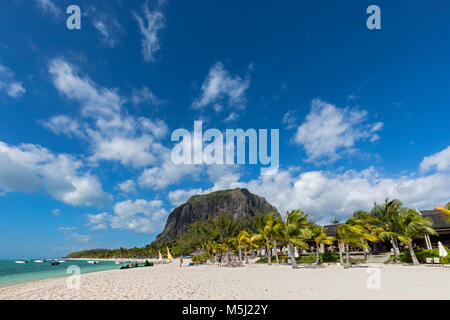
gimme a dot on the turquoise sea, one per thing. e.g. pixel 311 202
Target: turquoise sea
pixel 13 273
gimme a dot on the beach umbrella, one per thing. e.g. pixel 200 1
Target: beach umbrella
pixel 442 251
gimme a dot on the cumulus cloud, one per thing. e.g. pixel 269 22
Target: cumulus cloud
pixel 324 194
pixel 56 212
pixel 98 221
pixel 8 84
pixel 112 133
pixel 329 131
pixel 439 161
pixel 149 26
pixel 140 216
pixel 31 168
pixel 128 186
pixel 219 86
pixel 178 197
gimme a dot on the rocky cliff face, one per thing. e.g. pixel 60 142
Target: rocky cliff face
pixel 239 203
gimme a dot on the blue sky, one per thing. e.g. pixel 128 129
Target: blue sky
pixel 86 115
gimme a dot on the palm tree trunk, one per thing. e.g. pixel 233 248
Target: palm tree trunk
pixel 292 255
pixel 246 255
pixel 413 255
pixel 347 247
pixel 318 255
pixel 269 257
pixel 394 246
pixel 276 253
pixel 240 254
pixel 341 258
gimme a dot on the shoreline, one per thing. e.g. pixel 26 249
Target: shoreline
pixel 253 281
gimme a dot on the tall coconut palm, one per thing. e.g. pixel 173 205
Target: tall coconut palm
pixel 412 226
pixel 268 229
pixel 320 237
pixel 388 213
pixel 294 231
pixel 350 234
pixel 243 240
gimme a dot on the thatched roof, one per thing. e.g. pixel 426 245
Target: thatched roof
pixel 440 223
pixel 197 252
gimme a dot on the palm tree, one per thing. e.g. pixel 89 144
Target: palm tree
pixel 412 226
pixel 268 229
pixel 335 220
pixel 444 210
pixel 294 231
pixel 230 244
pixel 387 213
pixel 320 237
pixel 351 234
pixel 243 240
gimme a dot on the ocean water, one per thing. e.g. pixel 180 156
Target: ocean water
pixel 14 273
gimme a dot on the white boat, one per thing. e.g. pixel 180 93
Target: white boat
pixel 93 262
pixel 61 261
pixel 38 261
pixel 20 261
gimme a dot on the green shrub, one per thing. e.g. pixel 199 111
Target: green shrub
pixel 422 255
pixel 329 256
pixel 202 258
pixel 281 257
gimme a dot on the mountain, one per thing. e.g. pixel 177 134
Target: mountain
pixel 237 202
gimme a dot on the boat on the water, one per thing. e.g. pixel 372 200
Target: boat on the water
pixel 38 261
pixel 21 261
pixel 61 261
pixel 92 262
pixel 55 263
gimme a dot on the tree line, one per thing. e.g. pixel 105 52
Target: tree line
pixel 386 222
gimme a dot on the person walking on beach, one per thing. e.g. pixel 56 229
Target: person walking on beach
pixel 181 261
pixel 220 261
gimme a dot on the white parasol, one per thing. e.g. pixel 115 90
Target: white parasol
pixel 442 251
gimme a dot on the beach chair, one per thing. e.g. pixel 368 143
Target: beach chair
pixel 429 261
pixel 436 261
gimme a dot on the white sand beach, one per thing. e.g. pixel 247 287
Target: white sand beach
pixel 254 281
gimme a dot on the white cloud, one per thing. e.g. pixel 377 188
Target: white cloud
pixel 439 161
pixel 56 212
pixel 289 119
pixel 168 173
pixel 145 95
pixel 66 228
pixel 109 29
pixel 219 85
pixel 177 197
pixel 49 7
pixel 98 221
pixel 64 125
pixel 233 116
pixel 8 84
pixel 31 168
pixel 154 22
pixel 128 186
pixel 324 194
pixel 328 131
pixel 80 237
pixel 140 216
pixel 112 133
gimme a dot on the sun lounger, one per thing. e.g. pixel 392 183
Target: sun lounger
pixel 436 261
